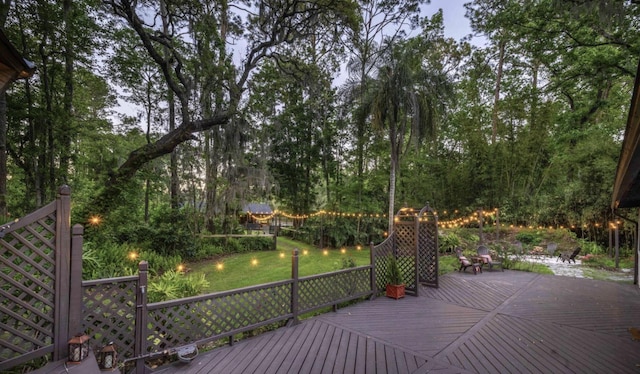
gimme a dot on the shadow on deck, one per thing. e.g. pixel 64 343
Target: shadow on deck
pixel 496 322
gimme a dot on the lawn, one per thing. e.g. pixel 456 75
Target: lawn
pixel 247 269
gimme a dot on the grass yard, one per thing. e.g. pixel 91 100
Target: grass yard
pixel 247 269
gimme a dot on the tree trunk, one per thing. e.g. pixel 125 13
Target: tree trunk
pixel 67 118
pixel 173 167
pixel 4 11
pixel 3 155
pixel 496 93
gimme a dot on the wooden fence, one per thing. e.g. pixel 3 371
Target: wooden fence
pixel 116 310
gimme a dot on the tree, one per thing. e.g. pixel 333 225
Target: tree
pixel 272 24
pixel 405 101
pixel 381 20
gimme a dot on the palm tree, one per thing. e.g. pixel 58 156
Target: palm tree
pixel 405 100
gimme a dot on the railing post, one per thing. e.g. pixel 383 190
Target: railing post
pixel 140 346
pixel 372 276
pixel 62 270
pixel 294 287
pixel 75 281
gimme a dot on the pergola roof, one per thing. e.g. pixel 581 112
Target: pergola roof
pixel 626 188
pixel 12 65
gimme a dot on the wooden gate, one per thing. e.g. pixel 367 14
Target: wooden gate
pixel 37 317
pixel 414 245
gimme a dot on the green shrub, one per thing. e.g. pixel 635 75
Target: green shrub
pixel 448 242
pixel 110 260
pixel 175 285
pixel 206 250
pixel 348 263
pixel 589 247
pixel 529 237
pixel 229 245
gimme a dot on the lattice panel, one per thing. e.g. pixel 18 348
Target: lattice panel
pixel 27 290
pixel 428 249
pixel 109 313
pixel 381 254
pixel 319 291
pixel 406 251
pixel 217 316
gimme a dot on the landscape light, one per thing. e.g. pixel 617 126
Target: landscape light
pixel 78 348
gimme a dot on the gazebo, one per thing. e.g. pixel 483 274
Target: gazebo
pixel 254 213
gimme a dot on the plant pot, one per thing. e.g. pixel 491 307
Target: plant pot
pixel 395 291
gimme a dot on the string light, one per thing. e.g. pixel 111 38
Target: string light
pixel 266 216
pixel 472 218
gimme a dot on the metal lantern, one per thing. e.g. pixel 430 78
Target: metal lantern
pixel 108 358
pixel 78 348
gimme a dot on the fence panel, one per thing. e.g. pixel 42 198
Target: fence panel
pixel 329 289
pixel 109 312
pixel 211 317
pixel 28 299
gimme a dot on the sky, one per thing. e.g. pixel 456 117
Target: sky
pixel 455 24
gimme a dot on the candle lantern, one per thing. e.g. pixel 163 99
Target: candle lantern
pixel 108 358
pixel 78 348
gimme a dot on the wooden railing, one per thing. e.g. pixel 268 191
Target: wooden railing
pixel 44 302
pixel 115 310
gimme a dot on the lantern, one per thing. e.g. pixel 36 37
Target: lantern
pixel 78 348
pixel 108 358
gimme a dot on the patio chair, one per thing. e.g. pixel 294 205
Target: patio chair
pixel 566 256
pixel 465 263
pixel 483 253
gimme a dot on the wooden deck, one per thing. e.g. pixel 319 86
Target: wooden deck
pixel 495 322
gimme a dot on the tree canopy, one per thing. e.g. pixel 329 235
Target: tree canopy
pixel 350 106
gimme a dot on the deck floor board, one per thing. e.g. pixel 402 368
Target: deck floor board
pixel 494 322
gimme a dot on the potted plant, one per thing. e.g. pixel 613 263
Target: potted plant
pixel 395 287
